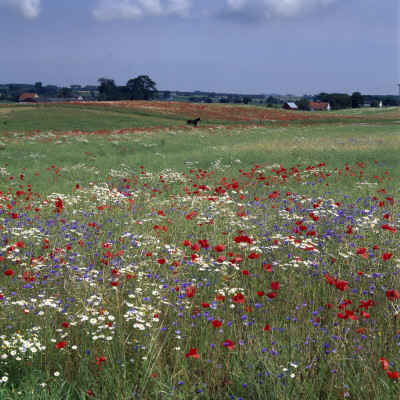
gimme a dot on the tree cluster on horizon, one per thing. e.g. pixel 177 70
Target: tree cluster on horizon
pixel 139 88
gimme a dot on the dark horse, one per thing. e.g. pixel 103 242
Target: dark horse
pixel 193 122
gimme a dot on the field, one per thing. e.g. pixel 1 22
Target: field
pixel 253 257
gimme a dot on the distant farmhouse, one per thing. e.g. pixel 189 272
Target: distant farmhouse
pixel 290 106
pixel 34 98
pixel 27 97
pixel 370 103
pixel 319 106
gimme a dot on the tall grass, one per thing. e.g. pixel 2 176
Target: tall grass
pixel 222 262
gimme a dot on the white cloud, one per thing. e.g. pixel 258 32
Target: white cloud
pixel 107 10
pixel 265 9
pixel 27 8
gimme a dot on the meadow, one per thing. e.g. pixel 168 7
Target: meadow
pixel 253 257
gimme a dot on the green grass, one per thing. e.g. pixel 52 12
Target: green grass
pixel 133 198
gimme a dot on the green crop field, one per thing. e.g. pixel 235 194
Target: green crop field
pixel 255 256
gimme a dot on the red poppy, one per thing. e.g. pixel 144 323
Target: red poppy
pixel 366 304
pixel 161 261
pixel 365 314
pixel 193 353
pixel 190 291
pixel 393 375
pixel 216 323
pixel 228 344
pixel 349 230
pixel 253 256
pixel 89 392
pixel 221 259
pixel 260 294
pixel 19 244
pixel 274 286
pixel 61 345
pixel 243 239
pixel 65 325
pixel 389 228
pixel 361 250
pixel 341 285
pixel 113 283
pixel 267 267
pixel 100 360
pixel 205 305
pixel 328 305
pixel 59 203
pixel 219 297
pixel 245 272
pixel 204 243
pixel 219 248
pixel 9 272
pixel 386 256
pixel 392 295
pixel 266 328
pixel 238 298
pixel 271 295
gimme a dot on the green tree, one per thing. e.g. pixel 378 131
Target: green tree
pixel 142 88
pixel 339 101
pixel 39 89
pixel 65 92
pixel 108 90
pixel 324 97
pixel 303 104
pixel 374 103
pixel 247 99
pixel 389 101
pixel 357 100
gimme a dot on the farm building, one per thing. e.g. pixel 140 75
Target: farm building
pixel 27 97
pixel 319 106
pixel 367 103
pixel 289 106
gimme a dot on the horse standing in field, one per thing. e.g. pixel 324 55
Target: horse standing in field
pixel 193 122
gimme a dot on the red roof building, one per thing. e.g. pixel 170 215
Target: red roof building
pixel 27 96
pixel 319 106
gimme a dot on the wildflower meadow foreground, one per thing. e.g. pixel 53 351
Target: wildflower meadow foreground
pixel 263 280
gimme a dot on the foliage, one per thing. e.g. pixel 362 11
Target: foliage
pixel 303 104
pixel 65 92
pixel 142 88
pixel 339 101
pixel 108 90
pixel 357 100
pixel 247 99
pixel 374 103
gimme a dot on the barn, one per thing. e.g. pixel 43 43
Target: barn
pixel 290 106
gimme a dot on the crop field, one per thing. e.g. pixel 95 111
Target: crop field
pixel 255 256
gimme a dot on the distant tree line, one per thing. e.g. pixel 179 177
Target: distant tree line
pixel 356 100
pixel 339 101
pixel 12 92
pixel 140 88
pixel 144 88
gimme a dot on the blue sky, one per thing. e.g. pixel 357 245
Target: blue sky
pixel 235 46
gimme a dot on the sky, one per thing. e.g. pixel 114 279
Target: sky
pixel 232 46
